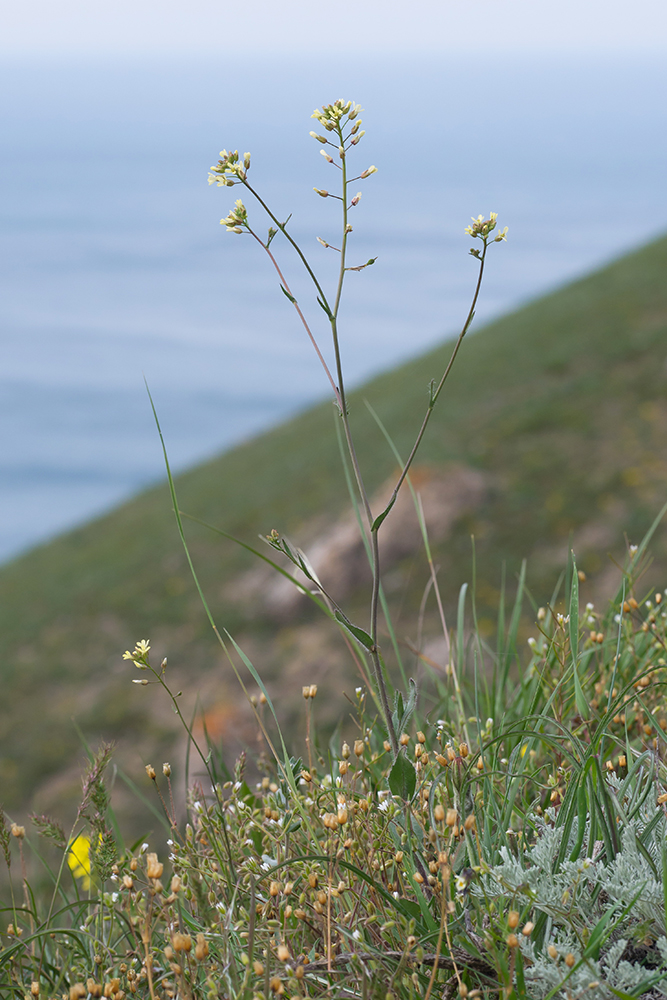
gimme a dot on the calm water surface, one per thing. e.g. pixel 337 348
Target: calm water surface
pixel 114 266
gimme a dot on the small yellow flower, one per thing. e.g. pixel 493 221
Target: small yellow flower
pixel 78 859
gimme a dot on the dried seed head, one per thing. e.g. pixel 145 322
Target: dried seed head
pixel 166 770
pixel 570 960
pixel 312 691
pixel 182 942
pixel 552 951
pixel 421 737
pixel 201 948
pixel 283 953
pixel 345 752
pixel 404 740
pixel 439 813
pixel 528 928
pixel 359 747
pixel 17 831
pixel 512 941
pixel 470 822
pixel 154 868
pixel 451 817
pixel 150 771
pixel 512 919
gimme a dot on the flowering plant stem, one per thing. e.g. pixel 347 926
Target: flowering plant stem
pixel 336 119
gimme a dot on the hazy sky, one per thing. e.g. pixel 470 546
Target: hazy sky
pixel 486 28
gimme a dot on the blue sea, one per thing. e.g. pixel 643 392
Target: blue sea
pixel 114 268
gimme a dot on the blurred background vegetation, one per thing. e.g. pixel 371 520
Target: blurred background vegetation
pixel 550 435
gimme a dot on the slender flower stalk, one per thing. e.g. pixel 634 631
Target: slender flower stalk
pixel 342 124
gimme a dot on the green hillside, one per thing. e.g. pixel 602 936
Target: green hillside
pixel 559 410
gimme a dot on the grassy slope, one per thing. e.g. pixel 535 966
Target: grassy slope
pixel 562 403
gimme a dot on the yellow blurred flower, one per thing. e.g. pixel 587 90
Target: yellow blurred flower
pixel 78 859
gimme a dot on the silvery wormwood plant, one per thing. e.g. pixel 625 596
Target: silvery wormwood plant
pixel 598 905
pixel 342 130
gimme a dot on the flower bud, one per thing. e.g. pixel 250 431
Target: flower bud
pixel 371 169
pixel 359 747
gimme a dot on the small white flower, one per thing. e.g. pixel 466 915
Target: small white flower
pixel 589 606
pixel 143 848
pixel 617 618
pixel 356 935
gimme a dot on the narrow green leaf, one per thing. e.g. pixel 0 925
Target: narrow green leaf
pixel 582 705
pixel 402 778
pixel 358 633
pixel 325 307
pixel 290 297
pixel 380 518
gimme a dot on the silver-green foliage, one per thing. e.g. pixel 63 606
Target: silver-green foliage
pixel 606 913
